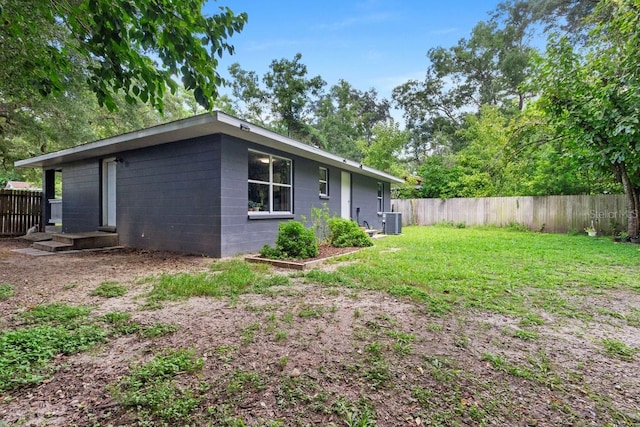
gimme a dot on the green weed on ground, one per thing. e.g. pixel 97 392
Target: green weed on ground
pixel 109 290
pixel 151 392
pixel 6 291
pixel 26 353
pixel 227 279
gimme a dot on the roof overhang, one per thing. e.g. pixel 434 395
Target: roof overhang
pixel 193 127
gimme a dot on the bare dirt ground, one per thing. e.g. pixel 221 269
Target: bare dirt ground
pixel 326 362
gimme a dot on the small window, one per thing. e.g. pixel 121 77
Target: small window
pixel 380 197
pixel 270 187
pixel 324 182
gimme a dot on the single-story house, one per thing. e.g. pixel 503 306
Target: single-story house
pixel 21 185
pixel 210 184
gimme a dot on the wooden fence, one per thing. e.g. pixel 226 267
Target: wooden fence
pixel 19 211
pixel 555 214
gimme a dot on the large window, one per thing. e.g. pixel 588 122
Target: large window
pixel 324 182
pixel 269 183
pixel 380 197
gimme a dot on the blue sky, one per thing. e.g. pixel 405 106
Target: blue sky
pixel 369 43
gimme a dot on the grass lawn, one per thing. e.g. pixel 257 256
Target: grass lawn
pixel 501 270
pixel 439 326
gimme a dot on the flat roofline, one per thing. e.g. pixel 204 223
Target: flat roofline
pixel 197 126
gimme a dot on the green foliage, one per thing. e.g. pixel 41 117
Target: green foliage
pixel 234 280
pixel 56 313
pixel 115 317
pixel 619 349
pixel 240 380
pixel 293 241
pixel 345 116
pixel 6 291
pixel 122 323
pixel 229 279
pixel 54 36
pixel 517 227
pixel 158 330
pixel 328 278
pixel 590 96
pixel 355 413
pixel 386 147
pixel 319 223
pixel 346 233
pixel 287 95
pixel 25 354
pixel 75 59
pixel 268 251
pixel 151 390
pixel 109 290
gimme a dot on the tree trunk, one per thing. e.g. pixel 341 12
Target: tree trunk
pixel 631 195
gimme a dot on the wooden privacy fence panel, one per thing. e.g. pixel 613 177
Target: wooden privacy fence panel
pixel 19 211
pixel 556 214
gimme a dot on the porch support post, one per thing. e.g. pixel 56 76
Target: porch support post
pixel 48 192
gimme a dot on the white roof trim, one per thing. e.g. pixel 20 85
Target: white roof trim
pixel 193 127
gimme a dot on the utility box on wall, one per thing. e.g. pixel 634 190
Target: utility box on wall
pixel 392 222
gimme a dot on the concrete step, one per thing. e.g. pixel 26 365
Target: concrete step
pixel 52 246
pixel 91 240
pixel 53 229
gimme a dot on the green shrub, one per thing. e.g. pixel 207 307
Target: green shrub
pixel 296 241
pixel 346 233
pixel 516 226
pixel 319 223
pixel 270 252
pixel 293 241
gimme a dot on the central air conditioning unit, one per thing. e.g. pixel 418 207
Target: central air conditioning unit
pixel 392 222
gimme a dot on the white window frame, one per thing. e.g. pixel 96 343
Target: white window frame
pixel 272 184
pixel 380 196
pixel 323 181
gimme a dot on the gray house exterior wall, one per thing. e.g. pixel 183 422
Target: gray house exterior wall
pixel 81 195
pixel 191 196
pixel 168 197
pixel 242 233
pixel 365 196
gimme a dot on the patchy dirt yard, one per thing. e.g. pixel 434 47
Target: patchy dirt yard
pixel 307 353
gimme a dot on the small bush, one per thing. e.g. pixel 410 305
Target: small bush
pixel 293 241
pixel 296 241
pixel 270 252
pixel 517 227
pixel 346 233
pixel 319 220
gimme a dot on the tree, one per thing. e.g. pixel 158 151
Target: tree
pixel 592 97
pixel 346 115
pixel 118 43
pixel 283 99
pixel 566 15
pixel 248 96
pixel 291 95
pixel 385 148
pixel 62 120
pixel 484 69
